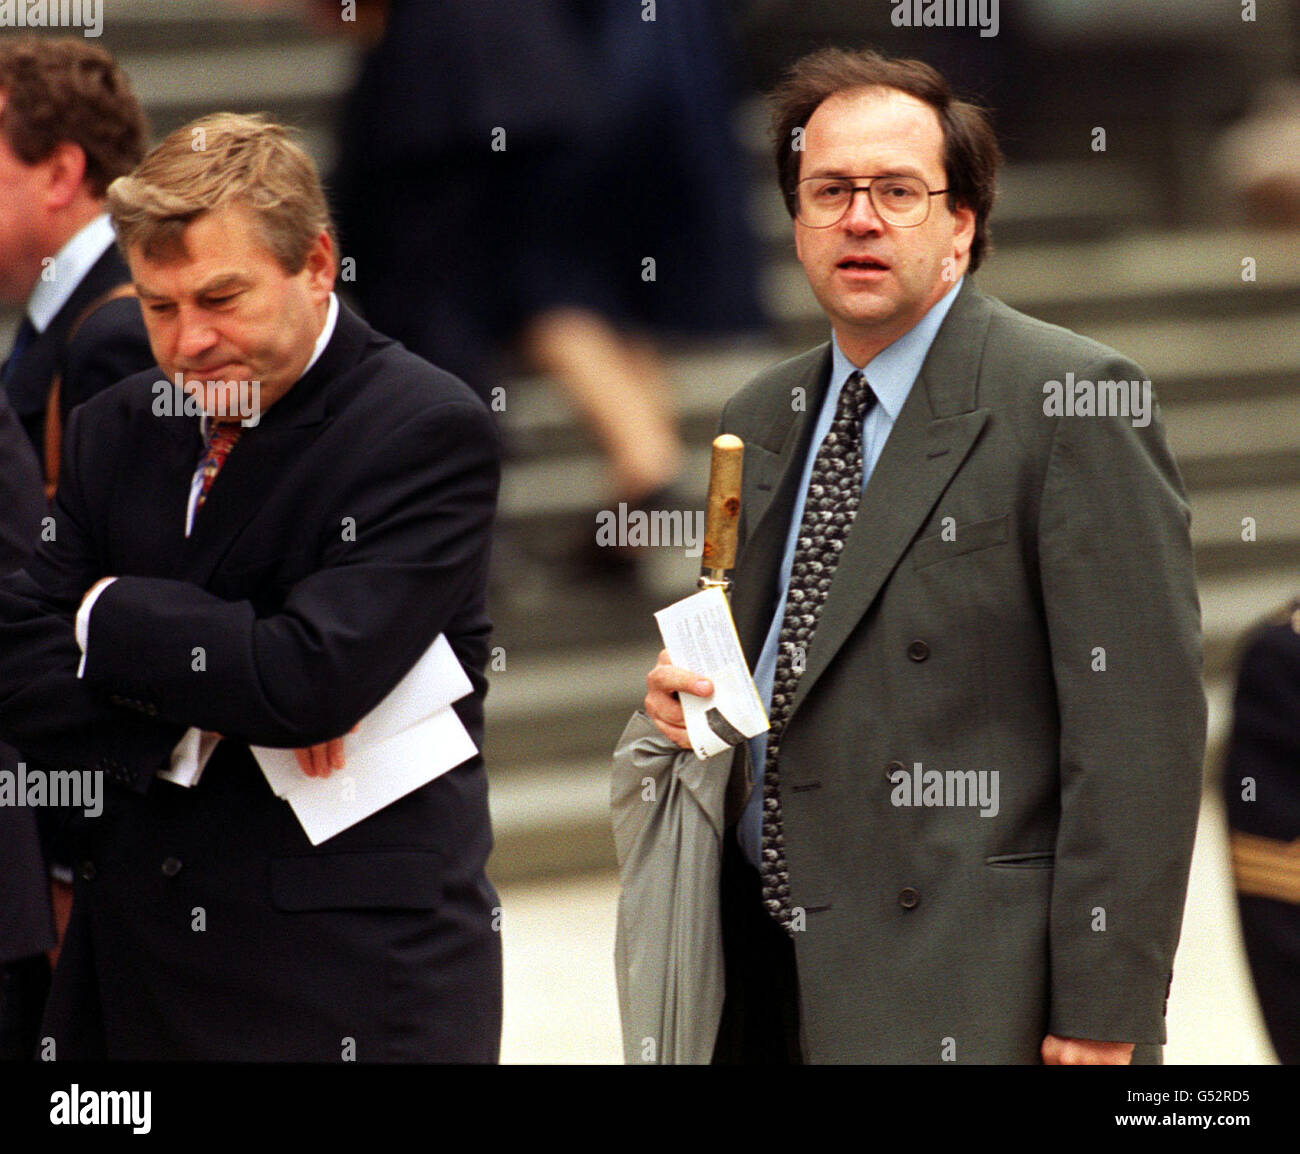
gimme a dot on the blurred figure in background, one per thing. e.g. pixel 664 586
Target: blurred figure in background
pixel 26 928
pixel 1261 785
pixel 1260 157
pixel 69 126
pixel 569 205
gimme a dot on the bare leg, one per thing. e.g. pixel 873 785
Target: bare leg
pixel 620 387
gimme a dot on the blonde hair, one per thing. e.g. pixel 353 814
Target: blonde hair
pixel 217 160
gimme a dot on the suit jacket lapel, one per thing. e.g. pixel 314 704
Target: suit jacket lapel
pixel 774 460
pixel 266 450
pixel 935 430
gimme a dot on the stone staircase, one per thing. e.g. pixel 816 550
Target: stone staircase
pixel 1082 242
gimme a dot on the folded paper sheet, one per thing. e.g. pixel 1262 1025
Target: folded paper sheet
pixel 700 635
pixel 410 738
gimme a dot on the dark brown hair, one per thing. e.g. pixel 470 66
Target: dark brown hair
pixel 64 89
pixel 970 149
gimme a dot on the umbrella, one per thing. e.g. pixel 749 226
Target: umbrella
pixel 667 808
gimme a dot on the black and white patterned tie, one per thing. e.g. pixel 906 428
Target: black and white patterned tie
pixel 834 492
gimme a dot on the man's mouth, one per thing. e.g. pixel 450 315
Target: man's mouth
pixel 205 376
pixel 863 264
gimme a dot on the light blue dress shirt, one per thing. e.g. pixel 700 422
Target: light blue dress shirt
pixel 891 374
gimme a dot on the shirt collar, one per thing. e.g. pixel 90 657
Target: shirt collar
pixel 71 264
pixel 331 319
pixel 893 370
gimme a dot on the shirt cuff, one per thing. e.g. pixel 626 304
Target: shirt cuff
pixel 83 623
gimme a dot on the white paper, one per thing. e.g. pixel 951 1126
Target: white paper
pixel 410 738
pixel 432 684
pixel 373 775
pixel 700 635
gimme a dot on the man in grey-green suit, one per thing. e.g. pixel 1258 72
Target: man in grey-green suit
pixel 989 776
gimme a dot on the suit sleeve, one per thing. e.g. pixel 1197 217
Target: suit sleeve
pixel 1124 624
pixel 22 499
pixel 44 709
pixel 421 506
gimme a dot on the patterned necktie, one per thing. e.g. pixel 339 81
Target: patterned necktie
pixel 222 436
pixel 24 337
pixel 831 503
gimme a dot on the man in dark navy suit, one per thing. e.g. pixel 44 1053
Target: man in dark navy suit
pixel 26 930
pixel 1261 784
pixel 270 581
pixel 69 126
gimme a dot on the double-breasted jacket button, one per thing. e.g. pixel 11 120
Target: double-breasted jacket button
pixel 894 767
pixel 908 898
pixel 87 870
pixel 918 650
pixel 171 867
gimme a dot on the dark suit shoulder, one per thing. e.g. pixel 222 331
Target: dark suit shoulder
pixel 375 387
pixel 1037 346
pixel 109 345
pixel 769 396
pixel 408 382
pixel 760 388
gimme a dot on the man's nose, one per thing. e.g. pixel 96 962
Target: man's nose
pixel 195 334
pixel 861 215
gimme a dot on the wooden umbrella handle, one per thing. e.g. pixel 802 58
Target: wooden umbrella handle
pixel 722 521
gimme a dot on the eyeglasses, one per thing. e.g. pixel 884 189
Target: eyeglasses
pixel 903 201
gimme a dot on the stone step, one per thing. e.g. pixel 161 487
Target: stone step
pixel 1250 440
pixel 1057 198
pixel 1149 274
pixel 1243 528
pixel 1043 285
pixel 558 492
pixel 301 81
pixel 552 469
pixel 163 25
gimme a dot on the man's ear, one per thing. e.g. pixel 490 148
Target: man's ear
pixel 963 229
pixel 321 266
pixel 65 171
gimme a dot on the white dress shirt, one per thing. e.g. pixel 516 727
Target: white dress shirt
pixel 59 281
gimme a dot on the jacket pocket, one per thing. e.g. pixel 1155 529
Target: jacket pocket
pixel 1041 859
pixel 372 879
pixel 969 538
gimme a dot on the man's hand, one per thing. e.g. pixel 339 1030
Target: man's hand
pixel 662 705
pixel 321 760
pixel 316 760
pixel 1083 1052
